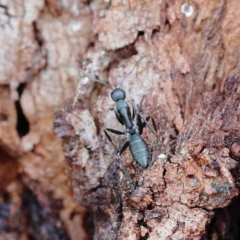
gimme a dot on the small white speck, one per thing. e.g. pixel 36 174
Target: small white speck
pixel 76 26
pixel 162 156
pixel 85 80
pixel 187 10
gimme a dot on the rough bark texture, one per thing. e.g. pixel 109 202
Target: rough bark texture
pixel 183 84
pixel 188 83
pixel 36 197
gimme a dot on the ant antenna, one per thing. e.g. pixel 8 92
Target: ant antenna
pixel 120 85
pixel 81 71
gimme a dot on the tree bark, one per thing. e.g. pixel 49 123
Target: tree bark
pixel 36 200
pixel 188 82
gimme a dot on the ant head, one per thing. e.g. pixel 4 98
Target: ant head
pixel 118 94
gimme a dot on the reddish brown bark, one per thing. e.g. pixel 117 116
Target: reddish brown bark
pixel 36 197
pixel 188 82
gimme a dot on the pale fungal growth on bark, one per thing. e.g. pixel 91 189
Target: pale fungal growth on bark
pixel 162 156
pixel 75 26
pixel 187 10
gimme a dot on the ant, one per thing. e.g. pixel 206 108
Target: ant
pixel 134 123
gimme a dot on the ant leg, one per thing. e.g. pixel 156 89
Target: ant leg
pixel 123 148
pixel 133 110
pixel 118 117
pixel 125 172
pixel 114 131
pixel 109 138
pixel 153 123
pixel 155 128
pixel 140 124
pixel 147 124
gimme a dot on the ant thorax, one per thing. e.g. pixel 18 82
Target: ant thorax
pixel 133 130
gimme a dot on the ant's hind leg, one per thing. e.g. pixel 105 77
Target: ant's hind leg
pixel 109 138
pixel 133 110
pixel 123 148
pixel 153 123
pixel 140 124
pixel 154 129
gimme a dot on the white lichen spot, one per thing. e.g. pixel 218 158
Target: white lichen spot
pixel 161 156
pixel 82 158
pixel 75 26
pixel 187 10
pixel 86 80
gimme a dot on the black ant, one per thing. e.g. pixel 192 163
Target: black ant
pixel 134 123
